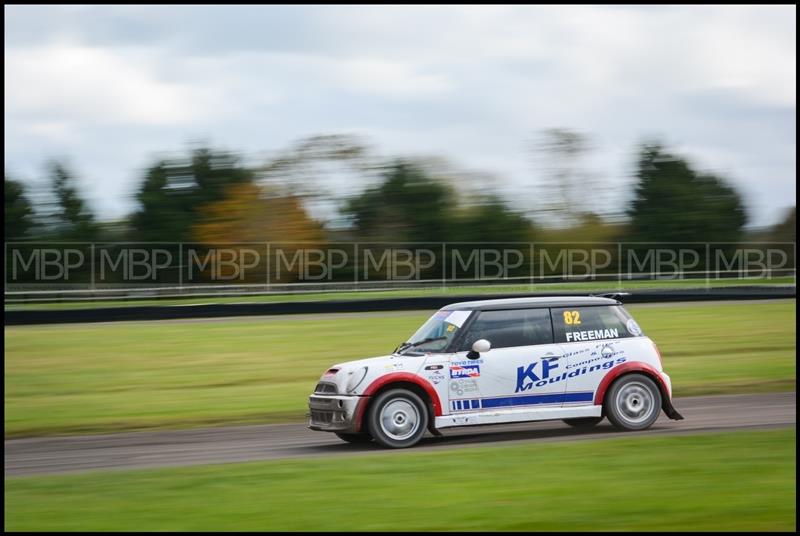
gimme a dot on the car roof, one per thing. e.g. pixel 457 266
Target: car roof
pixel 525 303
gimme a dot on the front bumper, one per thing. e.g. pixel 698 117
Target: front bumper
pixel 334 413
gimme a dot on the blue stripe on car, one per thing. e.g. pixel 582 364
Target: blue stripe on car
pixel 527 400
pixel 509 401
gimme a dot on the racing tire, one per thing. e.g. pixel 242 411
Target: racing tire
pixel 354 438
pixel 633 402
pixel 583 423
pixel 397 419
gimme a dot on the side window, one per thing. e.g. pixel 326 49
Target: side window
pixel 504 329
pixel 578 324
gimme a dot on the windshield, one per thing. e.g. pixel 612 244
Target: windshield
pixel 436 334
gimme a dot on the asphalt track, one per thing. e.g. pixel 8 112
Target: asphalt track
pixel 270 442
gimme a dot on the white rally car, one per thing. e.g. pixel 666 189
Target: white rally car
pixel 578 359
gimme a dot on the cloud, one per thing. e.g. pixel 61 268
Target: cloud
pixel 390 78
pixel 67 81
pixel 114 85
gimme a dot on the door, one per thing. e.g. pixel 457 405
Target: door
pixel 594 339
pixel 521 371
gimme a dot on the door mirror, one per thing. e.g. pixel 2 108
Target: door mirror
pixel 481 345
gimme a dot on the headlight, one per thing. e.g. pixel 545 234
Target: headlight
pixel 356 378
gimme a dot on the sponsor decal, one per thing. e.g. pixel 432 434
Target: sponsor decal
pixel 457 318
pixel 434 367
pixel 597 352
pixel 582 350
pixel 467 362
pixel 592 335
pixel 463 386
pixel 530 377
pixel 436 377
pixel 633 327
pixel 530 373
pixel 465 371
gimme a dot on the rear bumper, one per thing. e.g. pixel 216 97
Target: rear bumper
pixel 667 383
pixel 333 413
pixel 666 404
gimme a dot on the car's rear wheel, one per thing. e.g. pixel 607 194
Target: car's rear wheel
pixel 633 402
pixel 354 438
pixel 397 418
pixel 583 422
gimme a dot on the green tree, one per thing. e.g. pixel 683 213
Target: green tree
pixel 673 203
pixel 18 210
pixel 173 194
pixel 72 218
pixel 491 221
pixel 408 206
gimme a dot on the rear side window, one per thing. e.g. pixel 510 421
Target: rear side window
pixel 580 324
pixel 517 327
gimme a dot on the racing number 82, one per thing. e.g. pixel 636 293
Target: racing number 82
pixel 572 317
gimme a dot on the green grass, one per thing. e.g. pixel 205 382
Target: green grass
pixel 407 293
pixel 725 348
pixel 84 378
pixel 740 481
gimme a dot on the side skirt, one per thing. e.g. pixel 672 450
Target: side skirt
pixel 517 415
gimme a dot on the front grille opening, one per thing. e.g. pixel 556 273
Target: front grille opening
pixel 321 417
pixel 327 417
pixel 325 388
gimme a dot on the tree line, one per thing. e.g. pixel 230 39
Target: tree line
pixel 213 197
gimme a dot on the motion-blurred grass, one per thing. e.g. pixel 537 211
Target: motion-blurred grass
pixel 742 481
pixel 103 377
pixel 409 293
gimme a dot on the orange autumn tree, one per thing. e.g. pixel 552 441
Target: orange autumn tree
pixel 249 213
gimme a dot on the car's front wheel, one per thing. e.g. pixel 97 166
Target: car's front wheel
pixel 583 422
pixel 397 418
pixel 354 438
pixel 633 402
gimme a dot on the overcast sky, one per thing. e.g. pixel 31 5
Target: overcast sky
pixel 112 87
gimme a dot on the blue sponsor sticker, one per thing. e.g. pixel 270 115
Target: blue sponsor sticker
pixel 465 371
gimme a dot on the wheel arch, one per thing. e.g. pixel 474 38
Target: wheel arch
pixel 636 367
pixel 400 380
